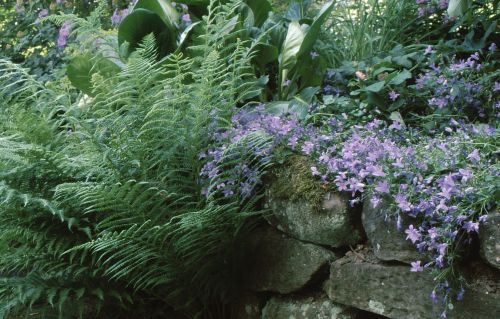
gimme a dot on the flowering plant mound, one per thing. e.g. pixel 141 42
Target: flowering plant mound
pixel 466 89
pixel 443 184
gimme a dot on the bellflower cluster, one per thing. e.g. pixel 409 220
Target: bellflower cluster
pixel 428 7
pixel 441 183
pixel 459 89
pixel 243 178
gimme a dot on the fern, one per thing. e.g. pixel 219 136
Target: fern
pixel 103 203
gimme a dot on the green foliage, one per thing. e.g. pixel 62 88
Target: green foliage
pixel 100 198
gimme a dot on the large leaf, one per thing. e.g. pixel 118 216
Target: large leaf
pixel 278 107
pixel 291 47
pixel 81 69
pixel 163 8
pixel 400 77
pixel 457 7
pixel 260 9
pixel 142 22
pixel 264 54
pixel 313 32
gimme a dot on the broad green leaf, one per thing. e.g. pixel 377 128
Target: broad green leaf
pixel 457 7
pixel 404 60
pixel 328 99
pixel 278 107
pixel 229 26
pixel 142 22
pixel 313 32
pixel 81 69
pixel 291 46
pixel 260 9
pixel 163 8
pixel 375 87
pixel 401 77
pixel 382 69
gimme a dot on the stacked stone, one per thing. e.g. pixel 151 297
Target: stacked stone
pixel 337 262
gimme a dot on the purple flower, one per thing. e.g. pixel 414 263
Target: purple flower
pixel 493 47
pixel 115 18
pixel 227 192
pixel 412 234
pixel 184 6
pixel 307 147
pixel 396 126
pixel 460 295
pixel 287 82
pixel 443 4
pixel 64 34
pixel 402 202
pixel 314 171
pixel 314 54
pixel 43 13
pixel 496 87
pixel 466 174
pixel 471 226
pixel 375 201
pixel 429 50
pixel 330 73
pixel 432 233
pixel 434 296
pixel 474 156
pixel 416 267
pixel 382 187
pixel 186 18
pixel 393 95
pixel 483 218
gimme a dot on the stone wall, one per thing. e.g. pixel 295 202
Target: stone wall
pixel 339 262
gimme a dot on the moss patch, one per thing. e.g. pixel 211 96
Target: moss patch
pixel 293 181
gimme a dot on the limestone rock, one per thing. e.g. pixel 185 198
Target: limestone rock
pixel 387 242
pixel 333 224
pixel 316 306
pixel 489 234
pixel 395 292
pixel 275 262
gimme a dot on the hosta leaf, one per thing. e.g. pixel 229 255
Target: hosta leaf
pixel 312 33
pixel 457 7
pixel 260 9
pixel 163 8
pixel 401 77
pixel 291 47
pixel 142 22
pixel 81 69
pixel 375 87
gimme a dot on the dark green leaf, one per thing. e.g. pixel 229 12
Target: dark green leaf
pixel 260 9
pixel 163 8
pixel 82 67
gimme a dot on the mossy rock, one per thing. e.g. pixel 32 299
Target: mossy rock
pixel 303 208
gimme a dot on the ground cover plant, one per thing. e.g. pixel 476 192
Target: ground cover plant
pixel 128 181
